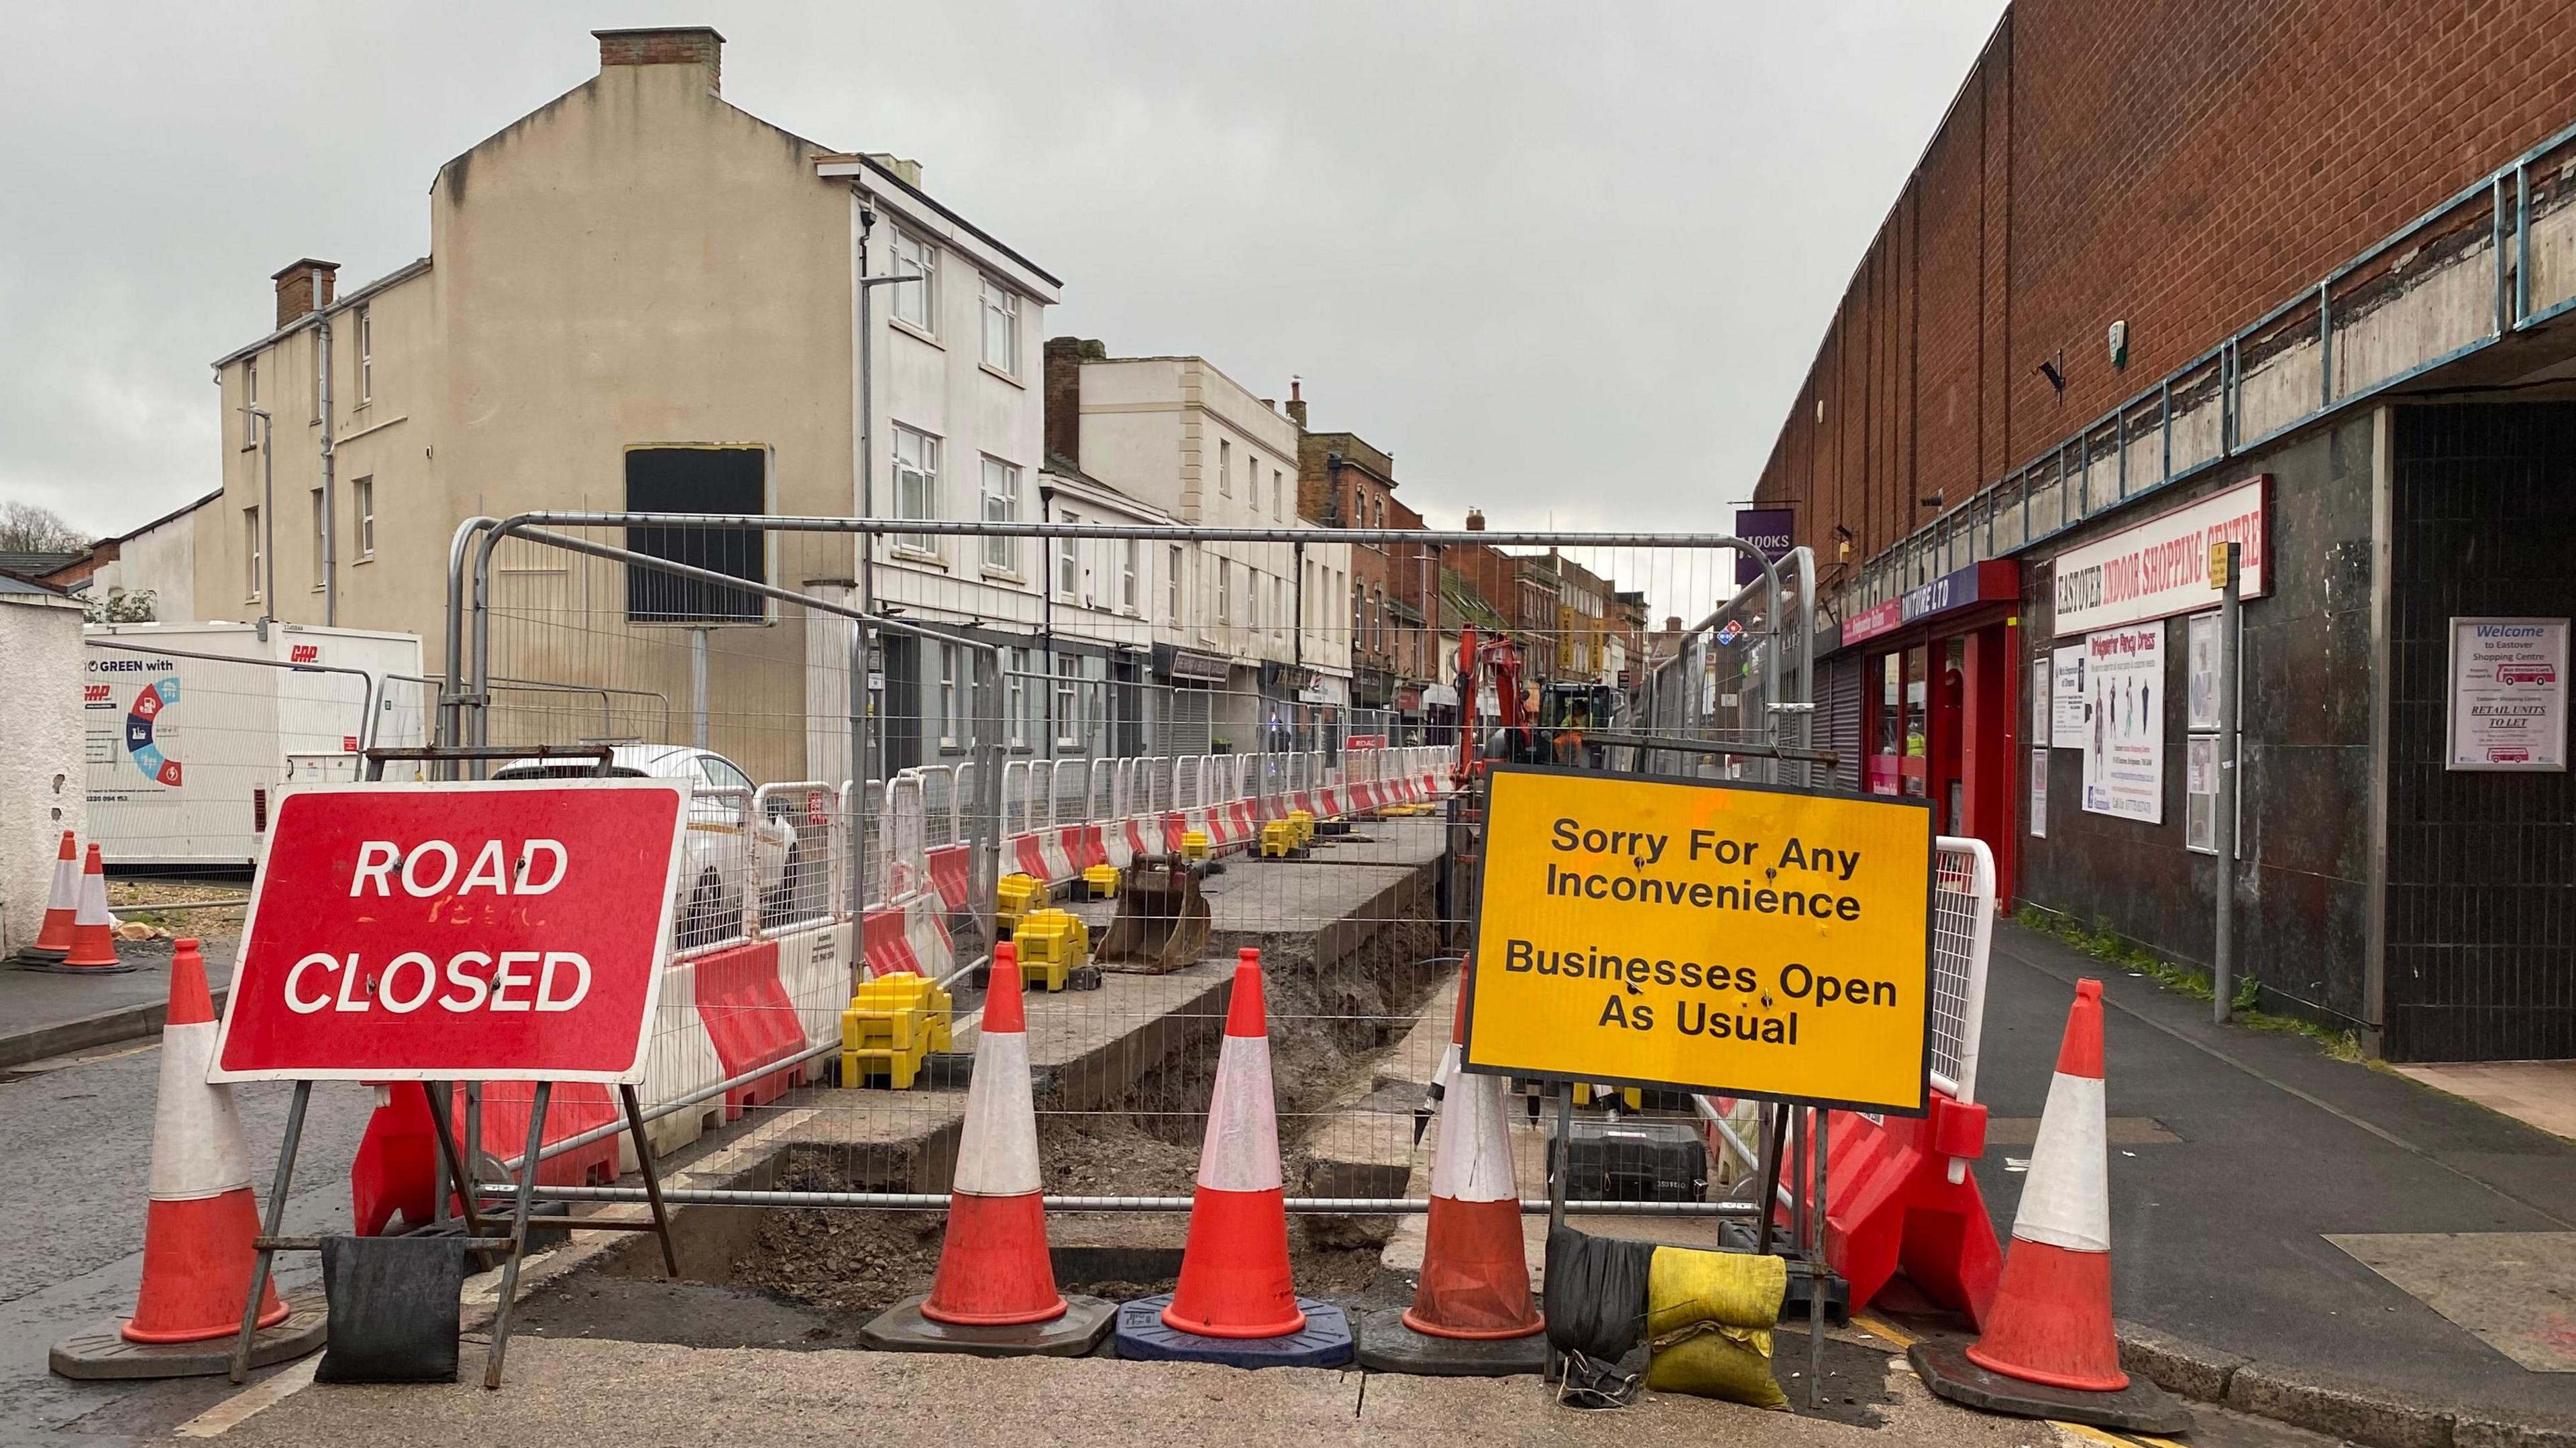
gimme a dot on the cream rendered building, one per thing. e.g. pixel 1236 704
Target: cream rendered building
pixel 1181 435
pixel 641 295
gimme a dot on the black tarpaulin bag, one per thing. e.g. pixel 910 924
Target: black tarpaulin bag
pixel 395 1304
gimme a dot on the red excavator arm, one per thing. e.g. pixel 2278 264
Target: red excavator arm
pixel 1503 658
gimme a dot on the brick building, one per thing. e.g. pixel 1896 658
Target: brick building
pixel 2287 272
pixel 1344 482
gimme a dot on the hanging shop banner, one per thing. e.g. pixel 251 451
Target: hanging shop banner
pixel 2039 794
pixel 2124 739
pixel 456 932
pixel 1987 582
pixel 1747 940
pixel 2200 670
pixel 2069 714
pixel 2508 694
pixel 2161 567
pixel 1772 530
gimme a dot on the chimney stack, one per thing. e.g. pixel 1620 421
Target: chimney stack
pixel 1297 403
pixel 296 285
pixel 696 45
pixel 1672 623
pixel 1062 395
pixel 1475 520
pixel 906 171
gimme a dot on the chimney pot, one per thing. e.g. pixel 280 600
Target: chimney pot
pixel 296 283
pixel 665 45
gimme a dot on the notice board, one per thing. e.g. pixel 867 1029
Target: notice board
pixel 1706 935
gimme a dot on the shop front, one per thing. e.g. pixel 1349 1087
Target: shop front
pixel 1939 700
pixel 1186 682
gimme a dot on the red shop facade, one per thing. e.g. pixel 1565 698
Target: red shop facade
pixel 1941 700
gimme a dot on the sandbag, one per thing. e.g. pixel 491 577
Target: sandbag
pixel 1712 1361
pixel 1596 1293
pixel 1709 1317
pixel 395 1308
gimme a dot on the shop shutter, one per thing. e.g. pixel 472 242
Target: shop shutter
pixel 1838 686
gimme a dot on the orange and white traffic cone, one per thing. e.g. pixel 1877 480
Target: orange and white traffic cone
pixel 1475 1267
pixel 197 1233
pixel 1235 1280
pixel 2051 1321
pixel 62 906
pixel 994 1270
pixel 94 930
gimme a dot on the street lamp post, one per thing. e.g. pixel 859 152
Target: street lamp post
pixel 862 711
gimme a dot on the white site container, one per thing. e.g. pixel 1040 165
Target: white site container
pixel 193 726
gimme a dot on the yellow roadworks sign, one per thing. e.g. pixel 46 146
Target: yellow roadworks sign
pixel 1747 940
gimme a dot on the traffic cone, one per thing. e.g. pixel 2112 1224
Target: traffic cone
pixel 994 1270
pixel 2051 1321
pixel 197 1233
pixel 94 930
pixel 62 905
pixel 1235 1281
pixel 1475 1268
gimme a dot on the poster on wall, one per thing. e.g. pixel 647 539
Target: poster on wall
pixel 2124 735
pixel 2200 671
pixel 2039 793
pixel 2069 718
pixel 2200 794
pixel 2508 694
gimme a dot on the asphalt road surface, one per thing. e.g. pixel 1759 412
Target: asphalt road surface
pixel 77 1143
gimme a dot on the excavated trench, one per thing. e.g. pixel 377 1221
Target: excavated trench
pixel 812 1277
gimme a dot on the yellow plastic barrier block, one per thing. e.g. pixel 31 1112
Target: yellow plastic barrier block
pixel 1278 840
pixel 1016 896
pixel 1194 846
pixel 1100 882
pixel 1052 945
pixel 1304 820
pixel 890 1025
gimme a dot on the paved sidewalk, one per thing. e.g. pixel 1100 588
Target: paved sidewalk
pixel 571 1393
pixel 43 1013
pixel 2220 1235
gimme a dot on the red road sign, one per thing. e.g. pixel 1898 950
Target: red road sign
pixel 456 932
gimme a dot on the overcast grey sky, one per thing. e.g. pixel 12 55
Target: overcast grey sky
pixel 1564 260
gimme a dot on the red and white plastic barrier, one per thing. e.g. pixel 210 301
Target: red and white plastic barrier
pixel 1899 1195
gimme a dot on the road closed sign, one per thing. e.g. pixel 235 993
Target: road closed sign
pixel 1713 936
pixel 459 931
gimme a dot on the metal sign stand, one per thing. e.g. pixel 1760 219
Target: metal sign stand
pixel 455 1165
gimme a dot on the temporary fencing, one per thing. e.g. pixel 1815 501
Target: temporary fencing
pixel 1112 693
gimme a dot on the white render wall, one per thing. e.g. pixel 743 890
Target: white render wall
pixel 162 562
pixel 43 785
pixel 1160 429
pixel 935 381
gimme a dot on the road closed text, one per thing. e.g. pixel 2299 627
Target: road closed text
pixel 1704 935
pixel 457 931
pixel 467 980
pixel 474 980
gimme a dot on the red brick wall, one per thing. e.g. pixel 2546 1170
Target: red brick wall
pixel 2183 165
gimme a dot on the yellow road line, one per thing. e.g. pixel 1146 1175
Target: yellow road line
pixel 1879 1328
